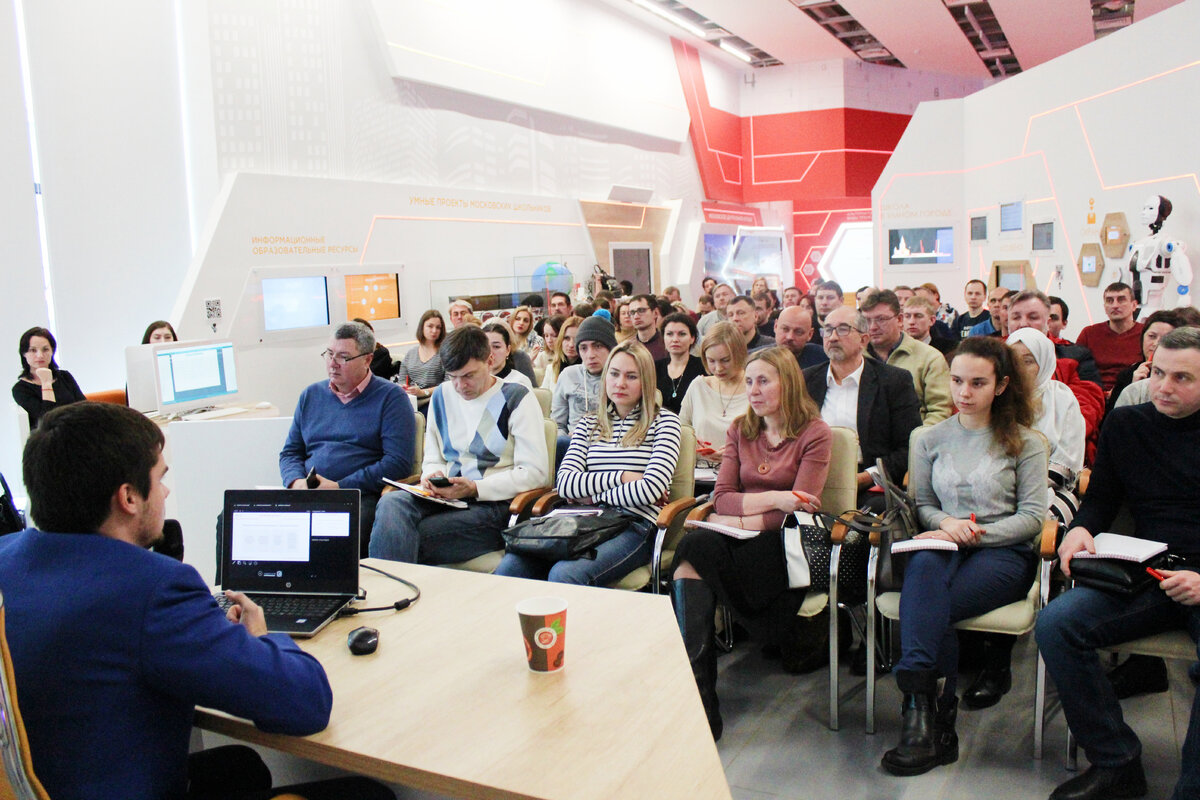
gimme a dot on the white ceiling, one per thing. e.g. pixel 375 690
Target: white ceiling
pixel 922 34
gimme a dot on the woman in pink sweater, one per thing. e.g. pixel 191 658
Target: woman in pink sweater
pixel 775 461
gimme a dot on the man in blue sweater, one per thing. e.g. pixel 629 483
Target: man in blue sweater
pixel 113 646
pixel 355 429
pixel 1145 459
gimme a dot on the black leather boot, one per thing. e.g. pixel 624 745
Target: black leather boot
pixel 943 726
pixel 995 679
pixel 695 607
pixel 919 750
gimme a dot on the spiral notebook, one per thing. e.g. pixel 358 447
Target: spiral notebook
pixel 1124 548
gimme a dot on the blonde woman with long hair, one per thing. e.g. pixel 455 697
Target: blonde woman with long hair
pixel 565 353
pixel 622 457
pixel 714 401
pixel 524 338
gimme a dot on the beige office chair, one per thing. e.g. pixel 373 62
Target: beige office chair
pixel 538 374
pixel 18 781
pixel 1014 619
pixel 418 457
pixel 520 507
pixel 669 523
pixel 840 493
pixel 544 397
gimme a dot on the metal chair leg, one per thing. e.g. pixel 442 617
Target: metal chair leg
pixel 725 638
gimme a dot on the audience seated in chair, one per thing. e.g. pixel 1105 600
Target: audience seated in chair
pixel 1058 418
pixel 42 386
pixel 577 390
pixel 486 436
pixel 979 481
pixel 1076 369
pixel 355 428
pixel 876 401
pixel 774 462
pixel 716 400
pixel 890 345
pixel 622 457
pixel 1146 459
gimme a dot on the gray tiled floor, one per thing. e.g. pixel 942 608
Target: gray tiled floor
pixel 777 745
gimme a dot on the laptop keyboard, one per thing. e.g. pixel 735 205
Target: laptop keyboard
pixel 275 605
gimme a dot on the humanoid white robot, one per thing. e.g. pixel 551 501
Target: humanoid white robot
pixel 1152 264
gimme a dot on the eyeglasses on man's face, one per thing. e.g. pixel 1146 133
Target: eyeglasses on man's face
pixel 329 355
pixel 840 330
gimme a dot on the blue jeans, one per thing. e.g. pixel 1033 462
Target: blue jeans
pixel 418 532
pixel 1068 632
pixel 943 587
pixel 614 559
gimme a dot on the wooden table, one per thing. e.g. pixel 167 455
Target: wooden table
pixel 448 705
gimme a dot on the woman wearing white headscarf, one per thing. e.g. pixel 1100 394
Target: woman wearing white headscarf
pixel 1057 411
pixel 1058 418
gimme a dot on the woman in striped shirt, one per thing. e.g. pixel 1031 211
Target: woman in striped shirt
pixel 625 459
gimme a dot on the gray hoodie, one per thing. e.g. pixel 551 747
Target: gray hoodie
pixel 576 394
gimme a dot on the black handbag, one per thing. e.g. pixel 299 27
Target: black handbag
pixel 572 533
pixel 1116 576
pixel 808 550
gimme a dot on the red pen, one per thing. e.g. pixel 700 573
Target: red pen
pixel 802 496
pixel 1156 574
pixel 972 516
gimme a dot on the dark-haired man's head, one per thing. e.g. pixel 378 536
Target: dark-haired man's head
pixel 465 358
pixel 96 468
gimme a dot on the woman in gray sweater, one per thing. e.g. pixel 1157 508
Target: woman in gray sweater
pixel 979 479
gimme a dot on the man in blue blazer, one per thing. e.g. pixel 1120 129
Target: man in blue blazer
pixel 877 401
pixel 113 646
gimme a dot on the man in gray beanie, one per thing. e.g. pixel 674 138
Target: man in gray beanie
pixel 577 392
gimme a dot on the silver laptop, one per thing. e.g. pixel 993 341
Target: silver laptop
pixel 292 551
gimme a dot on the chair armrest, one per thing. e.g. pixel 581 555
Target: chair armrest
pixel 668 513
pixel 838 533
pixel 1048 548
pixel 874 537
pixel 546 503
pixel 523 501
pixel 1085 477
pixel 701 511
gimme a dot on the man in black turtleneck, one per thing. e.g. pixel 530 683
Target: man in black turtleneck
pixel 1146 459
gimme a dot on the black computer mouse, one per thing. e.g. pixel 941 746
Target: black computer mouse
pixel 363 640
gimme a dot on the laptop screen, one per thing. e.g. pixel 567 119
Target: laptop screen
pixel 291 541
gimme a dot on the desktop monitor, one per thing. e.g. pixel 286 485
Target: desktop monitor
pixel 141 387
pixel 193 375
pixel 295 302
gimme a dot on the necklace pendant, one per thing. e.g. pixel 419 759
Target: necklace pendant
pixel 764 468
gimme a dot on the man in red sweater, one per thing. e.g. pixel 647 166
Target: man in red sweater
pixel 1117 343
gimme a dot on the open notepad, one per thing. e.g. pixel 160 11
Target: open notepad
pixel 909 545
pixel 424 495
pixel 728 530
pixel 1123 548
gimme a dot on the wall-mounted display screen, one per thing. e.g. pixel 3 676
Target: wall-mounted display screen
pixel 921 246
pixel 1010 216
pixel 978 228
pixel 1043 236
pixel 297 302
pixel 373 297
